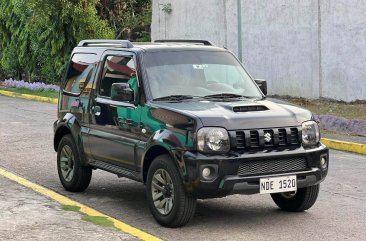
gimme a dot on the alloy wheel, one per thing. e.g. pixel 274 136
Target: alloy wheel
pixel 67 161
pixel 162 189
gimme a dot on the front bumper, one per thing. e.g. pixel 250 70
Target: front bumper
pixel 227 180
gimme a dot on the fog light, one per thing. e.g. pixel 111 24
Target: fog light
pixel 206 172
pixel 323 162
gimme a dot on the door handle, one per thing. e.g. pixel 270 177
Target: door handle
pixel 96 110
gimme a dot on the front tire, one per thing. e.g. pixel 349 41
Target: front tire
pixel 73 176
pixel 300 201
pixel 170 205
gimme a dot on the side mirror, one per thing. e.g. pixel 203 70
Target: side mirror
pixel 262 84
pixel 121 92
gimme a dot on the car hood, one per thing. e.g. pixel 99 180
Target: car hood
pixel 214 113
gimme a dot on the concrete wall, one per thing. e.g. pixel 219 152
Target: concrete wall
pixel 307 48
pixel 343 49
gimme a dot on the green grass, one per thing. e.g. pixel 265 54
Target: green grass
pixel 71 208
pixel 50 94
pixel 353 110
pixel 98 220
pixel 103 221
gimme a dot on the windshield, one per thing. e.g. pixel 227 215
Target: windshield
pixel 197 74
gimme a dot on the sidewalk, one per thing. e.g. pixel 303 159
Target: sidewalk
pixel 345 142
pixel 345 137
pixel 27 215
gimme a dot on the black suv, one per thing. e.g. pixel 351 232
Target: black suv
pixel 186 119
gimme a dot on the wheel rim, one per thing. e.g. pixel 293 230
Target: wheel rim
pixel 288 195
pixel 162 189
pixel 67 163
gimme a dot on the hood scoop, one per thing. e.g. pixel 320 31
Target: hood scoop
pixel 249 108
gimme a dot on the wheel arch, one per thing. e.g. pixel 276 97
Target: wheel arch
pixel 157 150
pixel 153 152
pixel 70 125
pixel 162 142
pixel 60 132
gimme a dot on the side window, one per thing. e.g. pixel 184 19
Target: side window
pixel 79 72
pixel 117 69
pixel 81 69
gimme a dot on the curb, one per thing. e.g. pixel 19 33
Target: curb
pixel 29 97
pixel 345 146
pixel 124 227
pixel 333 144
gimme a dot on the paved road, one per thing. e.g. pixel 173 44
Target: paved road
pixel 339 214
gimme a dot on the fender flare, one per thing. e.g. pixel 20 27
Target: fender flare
pixel 70 125
pixel 167 142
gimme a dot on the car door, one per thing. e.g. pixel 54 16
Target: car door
pixel 76 90
pixel 115 128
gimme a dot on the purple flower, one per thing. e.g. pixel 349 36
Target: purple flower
pixel 32 86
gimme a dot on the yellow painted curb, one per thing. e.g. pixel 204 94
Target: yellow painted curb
pixel 83 208
pixel 344 146
pixel 29 97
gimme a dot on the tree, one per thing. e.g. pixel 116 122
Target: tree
pixel 130 19
pixel 37 36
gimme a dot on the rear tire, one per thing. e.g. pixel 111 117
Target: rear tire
pixel 170 205
pixel 300 201
pixel 73 176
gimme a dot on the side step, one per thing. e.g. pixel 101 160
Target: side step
pixel 119 171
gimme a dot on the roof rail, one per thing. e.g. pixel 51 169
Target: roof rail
pixel 204 42
pixel 105 42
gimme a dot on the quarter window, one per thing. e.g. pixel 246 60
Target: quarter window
pixel 79 74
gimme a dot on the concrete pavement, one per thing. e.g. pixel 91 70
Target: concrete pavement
pixel 26 215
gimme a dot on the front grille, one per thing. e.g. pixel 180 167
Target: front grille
pixel 262 167
pixel 263 138
pixel 254 139
pixel 282 138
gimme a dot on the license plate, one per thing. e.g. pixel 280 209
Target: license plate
pixel 278 184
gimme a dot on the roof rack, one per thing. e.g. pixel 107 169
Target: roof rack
pixel 203 42
pixel 105 42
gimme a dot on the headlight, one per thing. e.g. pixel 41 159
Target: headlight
pixel 310 133
pixel 213 139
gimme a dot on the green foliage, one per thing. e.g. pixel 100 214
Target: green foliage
pixel 130 19
pixel 43 93
pixel 37 36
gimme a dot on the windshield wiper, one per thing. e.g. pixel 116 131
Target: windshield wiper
pixel 227 95
pixel 175 97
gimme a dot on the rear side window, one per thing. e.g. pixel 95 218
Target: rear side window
pixel 81 69
pixel 117 69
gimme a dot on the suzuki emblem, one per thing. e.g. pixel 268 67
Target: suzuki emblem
pixel 267 137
